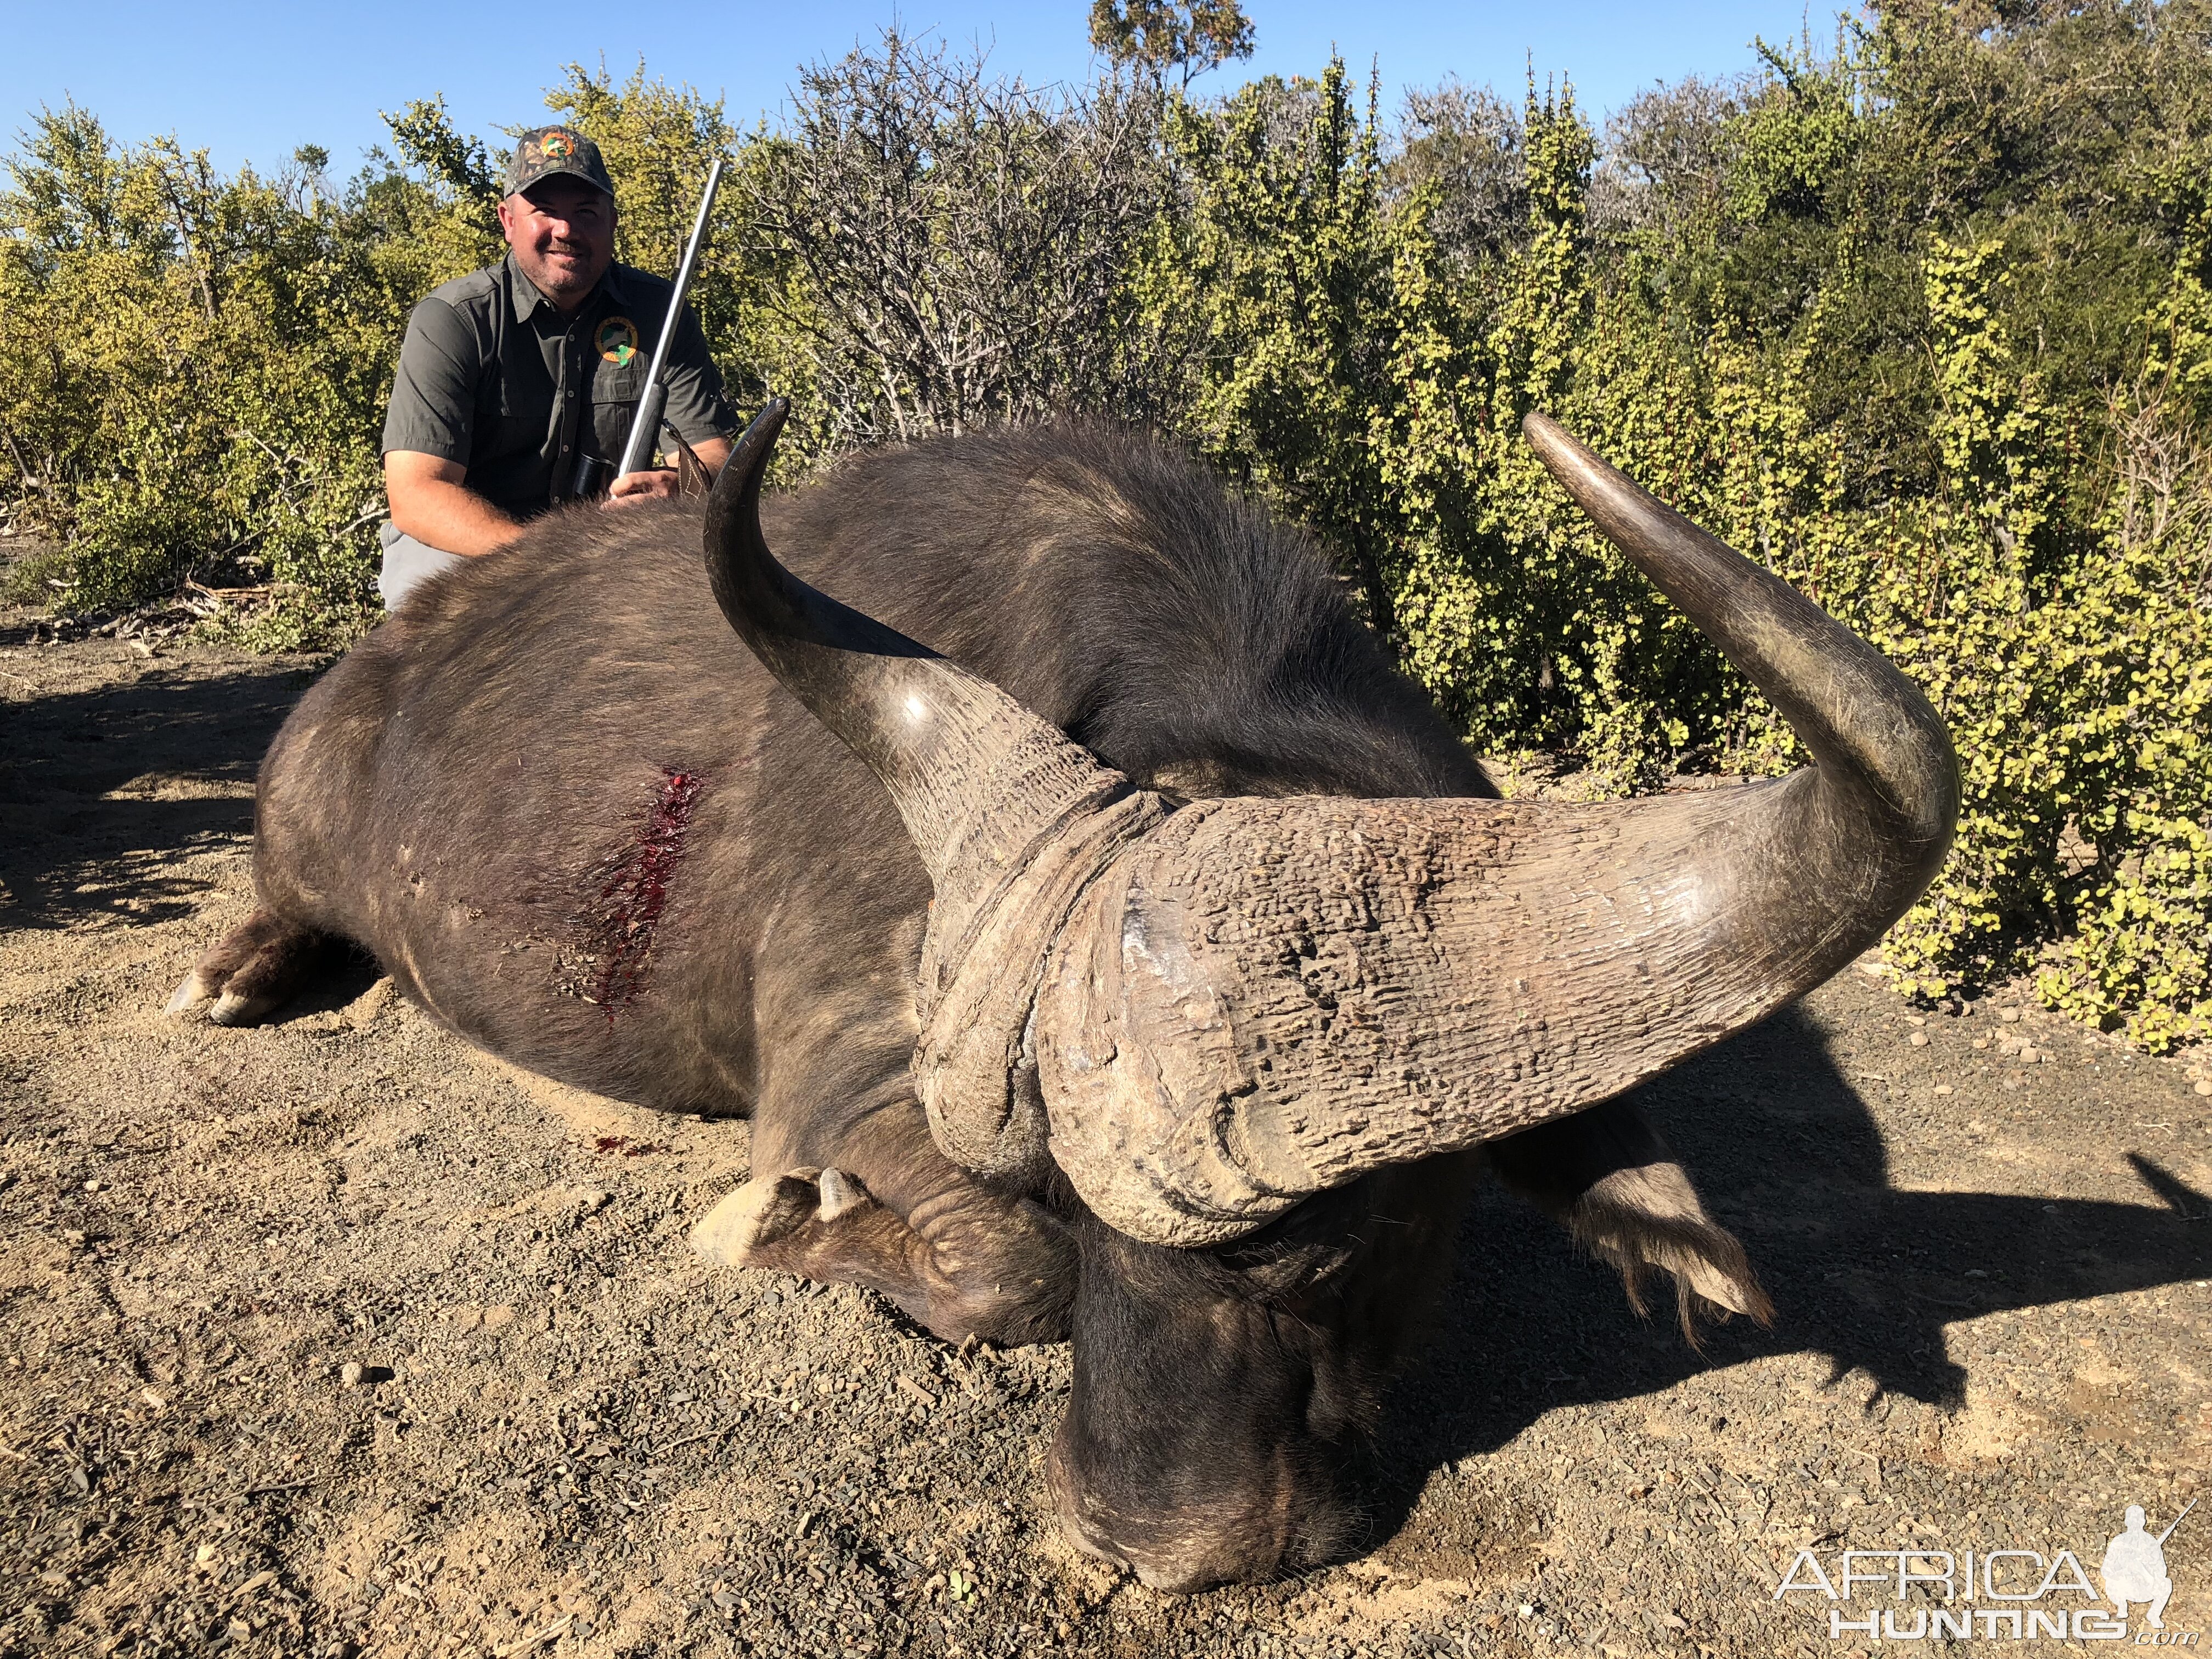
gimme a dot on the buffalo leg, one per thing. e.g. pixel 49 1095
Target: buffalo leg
pixel 251 972
pixel 955 1257
pixel 1607 1175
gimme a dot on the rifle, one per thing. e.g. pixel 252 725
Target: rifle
pixel 2178 1520
pixel 645 428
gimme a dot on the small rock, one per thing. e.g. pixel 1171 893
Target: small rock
pixel 1943 1088
pixel 2205 1088
pixel 2009 1016
pixel 1981 1042
pixel 1918 1039
pixel 92 1186
pixel 351 1373
pixel 1916 1019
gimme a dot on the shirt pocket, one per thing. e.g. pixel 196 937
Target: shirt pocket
pixel 525 420
pixel 614 405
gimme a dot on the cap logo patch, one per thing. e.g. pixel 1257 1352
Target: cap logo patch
pixel 617 338
pixel 545 150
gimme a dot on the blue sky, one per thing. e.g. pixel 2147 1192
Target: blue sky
pixel 252 82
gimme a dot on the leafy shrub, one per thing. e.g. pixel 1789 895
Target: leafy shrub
pixel 203 364
pixel 1860 391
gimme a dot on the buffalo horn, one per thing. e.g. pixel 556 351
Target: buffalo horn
pixel 1010 819
pixel 947 744
pixel 1263 998
pixel 1203 1016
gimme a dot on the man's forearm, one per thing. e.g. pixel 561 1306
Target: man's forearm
pixel 451 517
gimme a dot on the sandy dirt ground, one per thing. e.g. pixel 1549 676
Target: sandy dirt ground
pixel 337 1337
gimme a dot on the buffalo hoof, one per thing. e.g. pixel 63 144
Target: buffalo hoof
pixel 253 970
pixel 229 1009
pixel 998 1271
pixel 768 1210
pixel 189 995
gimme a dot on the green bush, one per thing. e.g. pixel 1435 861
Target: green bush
pixel 204 361
pixel 1922 323
pixel 1856 359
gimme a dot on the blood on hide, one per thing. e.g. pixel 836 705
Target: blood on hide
pixel 614 935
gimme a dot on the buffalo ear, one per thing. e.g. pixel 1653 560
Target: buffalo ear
pixel 1613 1183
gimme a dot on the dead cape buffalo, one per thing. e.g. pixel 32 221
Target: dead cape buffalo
pixel 1148 963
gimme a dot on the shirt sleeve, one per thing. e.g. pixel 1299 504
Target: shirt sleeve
pixel 698 407
pixel 433 395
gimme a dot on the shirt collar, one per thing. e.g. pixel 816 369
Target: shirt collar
pixel 528 297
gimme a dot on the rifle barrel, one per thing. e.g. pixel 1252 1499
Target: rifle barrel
pixel 642 431
pixel 2178 1520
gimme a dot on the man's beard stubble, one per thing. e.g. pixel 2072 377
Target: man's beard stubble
pixel 568 278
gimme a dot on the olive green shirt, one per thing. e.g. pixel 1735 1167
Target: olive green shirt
pixel 494 377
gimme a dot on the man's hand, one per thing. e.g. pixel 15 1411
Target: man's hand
pixel 662 484
pixel 430 502
pixel 658 485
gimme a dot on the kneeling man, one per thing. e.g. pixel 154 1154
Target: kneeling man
pixel 2135 1568
pixel 511 378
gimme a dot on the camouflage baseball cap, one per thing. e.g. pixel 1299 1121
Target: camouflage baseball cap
pixel 544 151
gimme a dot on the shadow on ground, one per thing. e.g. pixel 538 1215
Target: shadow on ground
pixel 1862 1273
pixel 184 745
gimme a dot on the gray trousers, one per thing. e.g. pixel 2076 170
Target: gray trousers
pixel 406 562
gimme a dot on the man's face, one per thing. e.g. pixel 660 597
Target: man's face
pixel 562 232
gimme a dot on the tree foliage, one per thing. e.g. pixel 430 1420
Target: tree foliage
pixel 1184 38
pixel 1921 319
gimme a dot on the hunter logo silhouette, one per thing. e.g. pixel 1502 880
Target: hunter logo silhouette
pixel 2135 1567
